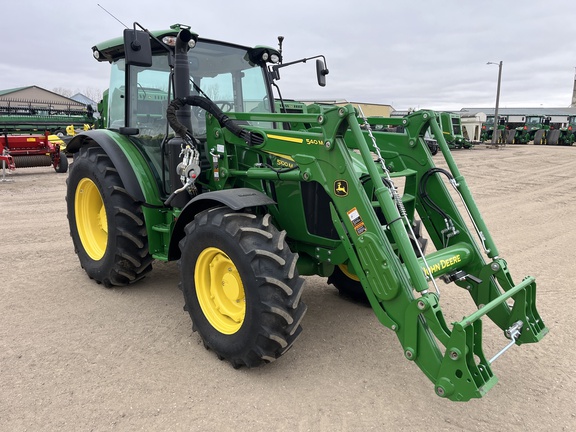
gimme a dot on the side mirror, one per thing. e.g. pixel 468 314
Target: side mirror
pixel 137 48
pixel 321 72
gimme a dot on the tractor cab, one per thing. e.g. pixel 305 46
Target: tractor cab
pixel 150 69
pixel 232 76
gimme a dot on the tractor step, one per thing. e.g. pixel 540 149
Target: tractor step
pixel 162 228
pixel 165 231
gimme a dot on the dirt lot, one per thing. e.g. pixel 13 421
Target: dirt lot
pixel 78 357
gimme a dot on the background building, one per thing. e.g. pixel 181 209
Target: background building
pixel 25 96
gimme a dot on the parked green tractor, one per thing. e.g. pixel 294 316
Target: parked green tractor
pixel 567 132
pixel 558 126
pixel 515 125
pixel 536 129
pixel 194 165
pixel 488 130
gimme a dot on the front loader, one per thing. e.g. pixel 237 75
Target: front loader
pixel 195 165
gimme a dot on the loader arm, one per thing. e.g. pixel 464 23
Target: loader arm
pixel 372 226
pixel 463 371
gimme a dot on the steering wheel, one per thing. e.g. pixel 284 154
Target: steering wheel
pixel 225 106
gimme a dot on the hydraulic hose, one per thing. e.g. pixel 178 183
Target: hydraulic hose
pixel 422 189
pixel 210 107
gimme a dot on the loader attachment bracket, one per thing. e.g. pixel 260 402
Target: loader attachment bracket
pixel 495 278
pixel 464 371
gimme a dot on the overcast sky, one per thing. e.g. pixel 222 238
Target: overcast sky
pixel 406 53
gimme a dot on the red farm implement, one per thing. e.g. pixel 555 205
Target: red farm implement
pixel 24 151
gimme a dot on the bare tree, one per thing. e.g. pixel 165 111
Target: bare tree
pixel 90 92
pixel 93 93
pixel 63 91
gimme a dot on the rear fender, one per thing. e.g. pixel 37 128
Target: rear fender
pixel 235 199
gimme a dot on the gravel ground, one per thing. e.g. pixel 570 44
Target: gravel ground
pixel 79 357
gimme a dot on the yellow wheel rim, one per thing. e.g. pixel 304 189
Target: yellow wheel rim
pixel 91 220
pixel 220 291
pixel 344 269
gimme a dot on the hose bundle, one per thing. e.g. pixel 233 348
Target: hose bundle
pixel 213 109
pixel 422 189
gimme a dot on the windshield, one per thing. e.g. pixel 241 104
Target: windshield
pixel 225 74
pixel 221 72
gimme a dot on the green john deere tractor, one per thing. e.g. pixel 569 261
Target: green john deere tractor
pixel 535 130
pixel 567 135
pixel 194 165
pixel 488 130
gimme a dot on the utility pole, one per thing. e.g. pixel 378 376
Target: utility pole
pixel 573 104
pixel 496 121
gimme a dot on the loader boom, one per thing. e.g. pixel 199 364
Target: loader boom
pixel 381 254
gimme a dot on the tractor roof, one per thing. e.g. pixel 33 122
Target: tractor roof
pixel 113 49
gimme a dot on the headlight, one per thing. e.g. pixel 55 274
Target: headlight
pixel 169 40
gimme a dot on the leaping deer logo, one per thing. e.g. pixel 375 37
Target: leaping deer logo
pixel 341 188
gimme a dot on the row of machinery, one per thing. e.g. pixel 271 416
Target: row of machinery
pixel 539 129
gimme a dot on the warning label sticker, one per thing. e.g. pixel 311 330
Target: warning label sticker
pixel 357 221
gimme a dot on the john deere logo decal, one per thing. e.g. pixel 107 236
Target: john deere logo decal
pixel 341 188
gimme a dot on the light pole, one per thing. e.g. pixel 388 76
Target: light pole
pixel 497 100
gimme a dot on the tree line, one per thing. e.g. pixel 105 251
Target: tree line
pixel 90 92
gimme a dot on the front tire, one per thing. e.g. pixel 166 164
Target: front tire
pixel 106 225
pixel 241 286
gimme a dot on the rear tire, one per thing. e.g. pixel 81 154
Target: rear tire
pixel 241 286
pixel 552 137
pixel 348 284
pixel 106 225
pixel 510 137
pixel 539 137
